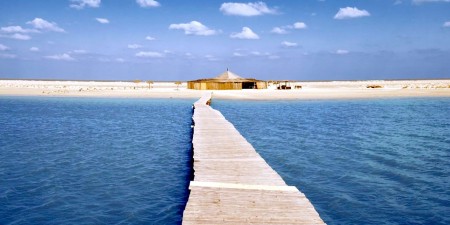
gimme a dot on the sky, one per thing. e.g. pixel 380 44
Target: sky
pixel 178 40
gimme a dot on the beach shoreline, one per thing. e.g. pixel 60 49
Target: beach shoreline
pixel 309 90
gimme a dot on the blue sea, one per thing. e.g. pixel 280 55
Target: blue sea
pixel 128 161
pixel 383 161
pixel 94 161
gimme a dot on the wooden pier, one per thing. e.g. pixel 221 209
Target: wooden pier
pixel 233 184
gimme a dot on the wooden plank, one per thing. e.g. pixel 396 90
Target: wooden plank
pixel 232 182
pixel 241 186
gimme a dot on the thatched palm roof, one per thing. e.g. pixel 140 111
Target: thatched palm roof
pixel 228 76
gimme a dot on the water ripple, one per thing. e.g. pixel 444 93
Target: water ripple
pixel 358 161
pixel 93 161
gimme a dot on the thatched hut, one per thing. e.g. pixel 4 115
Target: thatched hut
pixel 227 81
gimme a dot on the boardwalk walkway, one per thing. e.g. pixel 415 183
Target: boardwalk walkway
pixel 233 184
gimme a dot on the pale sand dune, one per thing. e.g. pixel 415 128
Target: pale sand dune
pixel 310 90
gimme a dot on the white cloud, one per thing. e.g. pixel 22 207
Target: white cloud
pixel 147 3
pixel 279 30
pixel 350 12
pixel 446 24
pixel 418 2
pixel 342 52
pixel 150 54
pixel 246 9
pixel 247 53
pixel 17 29
pixel 246 33
pixel 7 56
pixel 134 46
pixel 194 28
pixel 398 2
pixel 80 4
pixel 79 51
pixel 62 57
pixel 120 60
pixel 34 49
pixel 267 55
pixel 3 47
pixel 256 53
pixel 189 55
pixel 22 37
pixel 42 24
pixel 289 44
pixel 211 58
pixel 284 29
pixel 150 38
pixel 102 20
pixel 300 25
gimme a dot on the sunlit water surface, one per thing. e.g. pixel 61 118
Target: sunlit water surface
pixel 381 161
pixel 127 161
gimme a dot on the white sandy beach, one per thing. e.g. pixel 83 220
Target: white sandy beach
pixel 309 90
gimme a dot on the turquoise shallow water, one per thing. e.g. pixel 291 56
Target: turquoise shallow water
pixel 359 161
pixel 127 161
pixel 93 161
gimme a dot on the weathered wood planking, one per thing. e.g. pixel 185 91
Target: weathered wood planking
pixel 233 184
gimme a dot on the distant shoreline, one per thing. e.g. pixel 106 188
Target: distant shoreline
pixel 166 89
pixel 173 81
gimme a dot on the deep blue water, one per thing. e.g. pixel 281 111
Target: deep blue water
pixel 127 161
pixel 93 161
pixel 383 161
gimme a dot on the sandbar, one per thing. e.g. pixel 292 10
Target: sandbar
pixel 306 89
